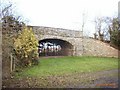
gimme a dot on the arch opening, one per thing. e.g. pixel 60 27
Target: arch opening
pixel 55 47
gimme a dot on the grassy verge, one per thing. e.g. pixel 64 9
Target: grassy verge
pixel 69 65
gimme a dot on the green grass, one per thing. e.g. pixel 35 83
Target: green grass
pixel 69 65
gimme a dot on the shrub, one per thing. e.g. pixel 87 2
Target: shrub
pixel 26 47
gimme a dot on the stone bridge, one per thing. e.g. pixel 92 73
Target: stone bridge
pixel 70 40
pixel 73 43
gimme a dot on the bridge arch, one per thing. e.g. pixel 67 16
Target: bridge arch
pixel 65 47
pixel 80 45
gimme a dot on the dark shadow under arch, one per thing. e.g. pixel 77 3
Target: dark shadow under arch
pixel 66 48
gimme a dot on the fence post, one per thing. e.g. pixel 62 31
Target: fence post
pixel 11 60
pixel 14 64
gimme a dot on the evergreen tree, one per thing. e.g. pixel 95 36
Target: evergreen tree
pixel 26 47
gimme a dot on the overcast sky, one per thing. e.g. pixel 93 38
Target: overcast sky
pixel 66 13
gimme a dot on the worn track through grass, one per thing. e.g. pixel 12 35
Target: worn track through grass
pixel 102 79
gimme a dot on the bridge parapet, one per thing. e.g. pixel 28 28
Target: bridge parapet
pixel 56 31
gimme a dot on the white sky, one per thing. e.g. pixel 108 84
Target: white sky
pixel 66 13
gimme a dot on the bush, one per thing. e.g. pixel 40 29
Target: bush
pixel 115 39
pixel 26 47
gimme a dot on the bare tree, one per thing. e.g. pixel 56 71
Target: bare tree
pixel 108 26
pixel 104 27
pixel 98 26
pixel 5 10
pixel 9 21
pixel 11 25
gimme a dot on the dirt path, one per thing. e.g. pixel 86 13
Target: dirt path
pixel 102 79
pixel 50 57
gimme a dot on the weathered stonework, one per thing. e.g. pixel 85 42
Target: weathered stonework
pixel 94 47
pixel 57 32
pixel 71 36
pixel 81 45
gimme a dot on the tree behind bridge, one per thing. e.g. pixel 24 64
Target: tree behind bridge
pixel 115 33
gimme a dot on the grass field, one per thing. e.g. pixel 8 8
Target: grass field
pixel 69 65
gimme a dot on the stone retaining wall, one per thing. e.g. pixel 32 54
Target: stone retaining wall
pixel 94 47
